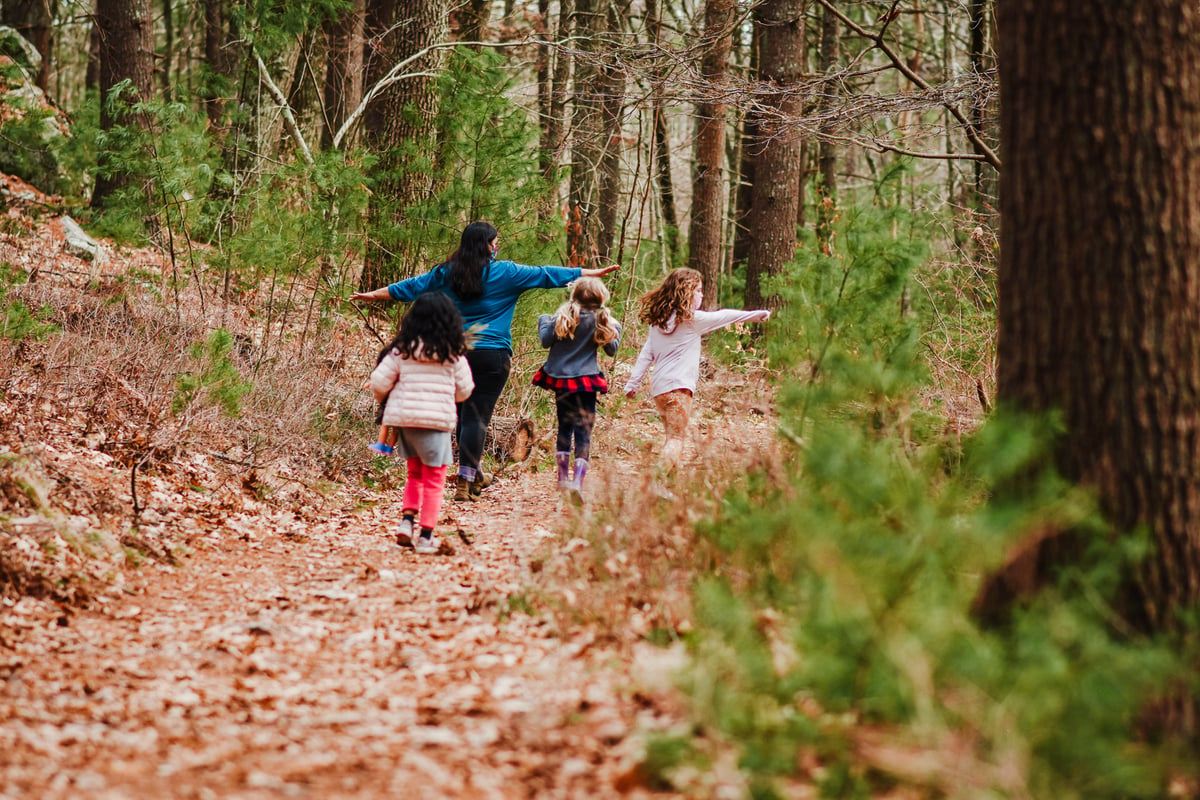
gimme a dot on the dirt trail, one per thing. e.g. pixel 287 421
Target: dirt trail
pixel 294 658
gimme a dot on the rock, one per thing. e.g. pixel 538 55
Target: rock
pixel 20 49
pixel 78 243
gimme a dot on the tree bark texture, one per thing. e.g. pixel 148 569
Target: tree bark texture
pixel 469 21
pixel 126 53
pixel 587 140
pixel 708 202
pixel 775 194
pixel 611 88
pixel 743 183
pixel 1099 279
pixel 979 55
pixel 403 113
pixel 827 150
pixel 215 59
pixel 662 141
pixel 343 69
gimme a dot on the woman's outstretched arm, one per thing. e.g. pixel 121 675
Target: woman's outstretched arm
pixel 372 296
pixel 599 272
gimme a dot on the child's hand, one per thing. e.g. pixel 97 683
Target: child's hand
pixel 632 394
pixel 761 316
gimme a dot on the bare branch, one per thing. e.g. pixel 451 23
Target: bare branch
pixel 902 66
pixel 283 104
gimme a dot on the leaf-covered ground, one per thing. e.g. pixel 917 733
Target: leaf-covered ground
pixel 310 656
pixel 252 634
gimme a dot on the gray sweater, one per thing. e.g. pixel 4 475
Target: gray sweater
pixel 575 357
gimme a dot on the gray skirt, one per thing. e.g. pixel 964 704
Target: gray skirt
pixel 431 447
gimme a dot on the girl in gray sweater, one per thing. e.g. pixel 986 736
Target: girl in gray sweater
pixel 581 327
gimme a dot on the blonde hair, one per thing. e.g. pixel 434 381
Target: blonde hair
pixel 587 294
pixel 673 297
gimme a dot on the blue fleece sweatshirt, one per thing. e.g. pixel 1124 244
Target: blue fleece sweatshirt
pixel 503 284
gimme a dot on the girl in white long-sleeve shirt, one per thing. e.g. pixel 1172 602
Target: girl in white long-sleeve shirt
pixel 673 348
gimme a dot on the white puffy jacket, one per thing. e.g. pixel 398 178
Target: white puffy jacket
pixel 420 393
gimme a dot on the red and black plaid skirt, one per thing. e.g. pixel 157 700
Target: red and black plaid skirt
pixel 584 383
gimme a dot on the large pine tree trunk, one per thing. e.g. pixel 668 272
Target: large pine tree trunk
pixel 1099 279
pixel 708 203
pixel 343 69
pixel 402 114
pixel 775 195
pixel 126 53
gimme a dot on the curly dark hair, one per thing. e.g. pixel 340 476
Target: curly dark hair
pixel 431 330
pixel 468 262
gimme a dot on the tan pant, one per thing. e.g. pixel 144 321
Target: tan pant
pixel 675 411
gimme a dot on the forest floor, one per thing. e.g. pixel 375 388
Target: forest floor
pixel 292 649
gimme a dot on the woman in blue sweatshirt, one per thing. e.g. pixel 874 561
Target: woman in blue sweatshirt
pixel 486 292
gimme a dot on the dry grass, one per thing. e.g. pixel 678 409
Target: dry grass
pixel 94 400
pixel 627 561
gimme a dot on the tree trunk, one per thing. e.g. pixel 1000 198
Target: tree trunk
pixel 168 52
pixel 704 237
pixel 827 149
pixel 216 60
pixel 469 21
pixel 587 145
pixel 126 53
pixel 775 194
pixel 343 70
pixel 91 75
pixel 400 116
pixel 743 188
pixel 981 59
pixel 554 72
pixel 306 84
pixel 611 87
pixel 1099 278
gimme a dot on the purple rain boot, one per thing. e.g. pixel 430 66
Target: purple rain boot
pixel 575 488
pixel 564 469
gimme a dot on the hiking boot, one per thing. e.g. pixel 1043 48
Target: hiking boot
pixel 464 491
pixel 427 545
pixel 482 481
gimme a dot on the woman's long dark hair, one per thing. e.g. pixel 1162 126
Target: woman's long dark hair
pixel 470 260
pixel 431 330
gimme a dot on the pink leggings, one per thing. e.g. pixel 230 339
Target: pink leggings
pixel 423 491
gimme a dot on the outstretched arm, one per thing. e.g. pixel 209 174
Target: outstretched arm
pixel 373 296
pixel 599 272
pixel 707 321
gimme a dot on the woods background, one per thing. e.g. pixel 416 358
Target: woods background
pixel 926 556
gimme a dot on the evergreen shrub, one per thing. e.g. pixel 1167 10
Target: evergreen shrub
pixel 834 640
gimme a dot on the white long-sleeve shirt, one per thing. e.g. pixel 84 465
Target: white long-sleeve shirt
pixel 675 352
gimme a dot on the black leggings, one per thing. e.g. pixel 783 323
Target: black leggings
pixel 489 370
pixel 576 416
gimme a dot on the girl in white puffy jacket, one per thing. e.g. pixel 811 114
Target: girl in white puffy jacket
pixel 422 376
